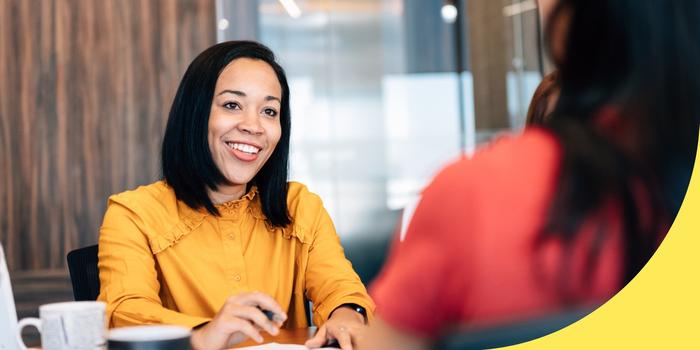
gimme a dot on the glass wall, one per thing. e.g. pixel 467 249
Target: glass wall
pixel 384 92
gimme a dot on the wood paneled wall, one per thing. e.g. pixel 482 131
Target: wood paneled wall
pixel 85 89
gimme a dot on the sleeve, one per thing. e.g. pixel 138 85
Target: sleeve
pixel 128 276
pixel 330 278
pixel 421 288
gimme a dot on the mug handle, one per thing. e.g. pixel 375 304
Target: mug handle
pixel 29 321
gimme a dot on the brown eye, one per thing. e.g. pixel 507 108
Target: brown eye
pixel 231 105
pixel 270 112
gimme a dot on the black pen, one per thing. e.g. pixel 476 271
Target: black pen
pixel 270 315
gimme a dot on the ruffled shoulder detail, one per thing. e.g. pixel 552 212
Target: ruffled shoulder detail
pixel 293 230
pixel 304 208
pixel 167 239
pixel 296 231
pixel 163 219
pixel 299 228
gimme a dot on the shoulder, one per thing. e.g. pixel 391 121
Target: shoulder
pixel 153 205
pixel 514 174
pixel 305 209
pixel 506 162
pixel 300 199
pixel 156 195
pixel 533 145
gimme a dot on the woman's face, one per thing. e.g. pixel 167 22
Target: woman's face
pixel 244 122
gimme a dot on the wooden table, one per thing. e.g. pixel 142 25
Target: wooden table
pixel 286 336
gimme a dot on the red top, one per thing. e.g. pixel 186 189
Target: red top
pixel 469 256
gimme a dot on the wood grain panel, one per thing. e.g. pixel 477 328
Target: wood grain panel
pixel 85 88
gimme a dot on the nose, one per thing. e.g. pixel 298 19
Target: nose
pixel 250 124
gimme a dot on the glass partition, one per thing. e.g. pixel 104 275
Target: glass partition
pixel 385 92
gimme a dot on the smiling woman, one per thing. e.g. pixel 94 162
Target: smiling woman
pixel 224 240
pixel 237 83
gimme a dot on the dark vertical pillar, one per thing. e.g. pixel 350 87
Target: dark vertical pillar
pixel 488 58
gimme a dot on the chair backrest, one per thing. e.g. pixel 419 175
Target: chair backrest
pixel 511 333
pixel 84 274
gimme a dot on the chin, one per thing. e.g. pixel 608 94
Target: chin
pixel 239 180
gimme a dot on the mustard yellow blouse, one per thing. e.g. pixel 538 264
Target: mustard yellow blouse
pixel 161 261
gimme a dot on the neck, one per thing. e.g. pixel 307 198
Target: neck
pixel 226 193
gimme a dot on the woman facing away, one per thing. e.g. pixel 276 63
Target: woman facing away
pixel 567 213
pixel 224 234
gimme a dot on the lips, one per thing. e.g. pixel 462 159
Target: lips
pixel 243 151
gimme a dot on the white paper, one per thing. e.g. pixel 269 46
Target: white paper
pixel 277 346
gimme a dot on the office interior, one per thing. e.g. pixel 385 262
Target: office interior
pixel 383 93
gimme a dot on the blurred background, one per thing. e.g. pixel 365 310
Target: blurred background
pixel 383 92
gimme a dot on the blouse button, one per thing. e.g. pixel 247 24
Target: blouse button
pixel 237 277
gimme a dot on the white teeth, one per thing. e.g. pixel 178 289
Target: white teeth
pixel 243 147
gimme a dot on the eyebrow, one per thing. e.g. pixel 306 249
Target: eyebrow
pixel 242 94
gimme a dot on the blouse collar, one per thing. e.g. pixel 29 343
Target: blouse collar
pixel 231 209
pixel 236 206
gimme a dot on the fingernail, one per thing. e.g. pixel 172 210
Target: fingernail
pixel 274 331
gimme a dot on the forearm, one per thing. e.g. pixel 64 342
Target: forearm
pixel 330 278
pixel 325 304
pixel 139 311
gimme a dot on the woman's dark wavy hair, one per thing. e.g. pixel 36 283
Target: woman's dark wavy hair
pixel 640 57
pixel 187 163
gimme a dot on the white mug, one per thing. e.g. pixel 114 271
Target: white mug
pixel 78 325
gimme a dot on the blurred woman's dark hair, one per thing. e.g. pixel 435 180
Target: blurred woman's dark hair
pixel 627 117
pixel 542 100
pixel 187 163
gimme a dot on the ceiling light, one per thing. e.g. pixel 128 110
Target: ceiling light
pixel 449 13
pixel 291 7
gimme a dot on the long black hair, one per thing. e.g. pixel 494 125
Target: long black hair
pixel 187 163
pixel 640 60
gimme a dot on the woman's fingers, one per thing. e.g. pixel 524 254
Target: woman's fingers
pixel 265 302
pixel 342 335
pixel 318 340
pixel 257 317
pixel 240 317
pixel 245 327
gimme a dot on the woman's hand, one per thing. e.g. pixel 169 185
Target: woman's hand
pixel 240 318
pixel 345 326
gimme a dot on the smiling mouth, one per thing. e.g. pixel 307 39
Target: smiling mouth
pixel 242 147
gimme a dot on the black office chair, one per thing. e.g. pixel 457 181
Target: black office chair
pixel 511 333
pixel 84 274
